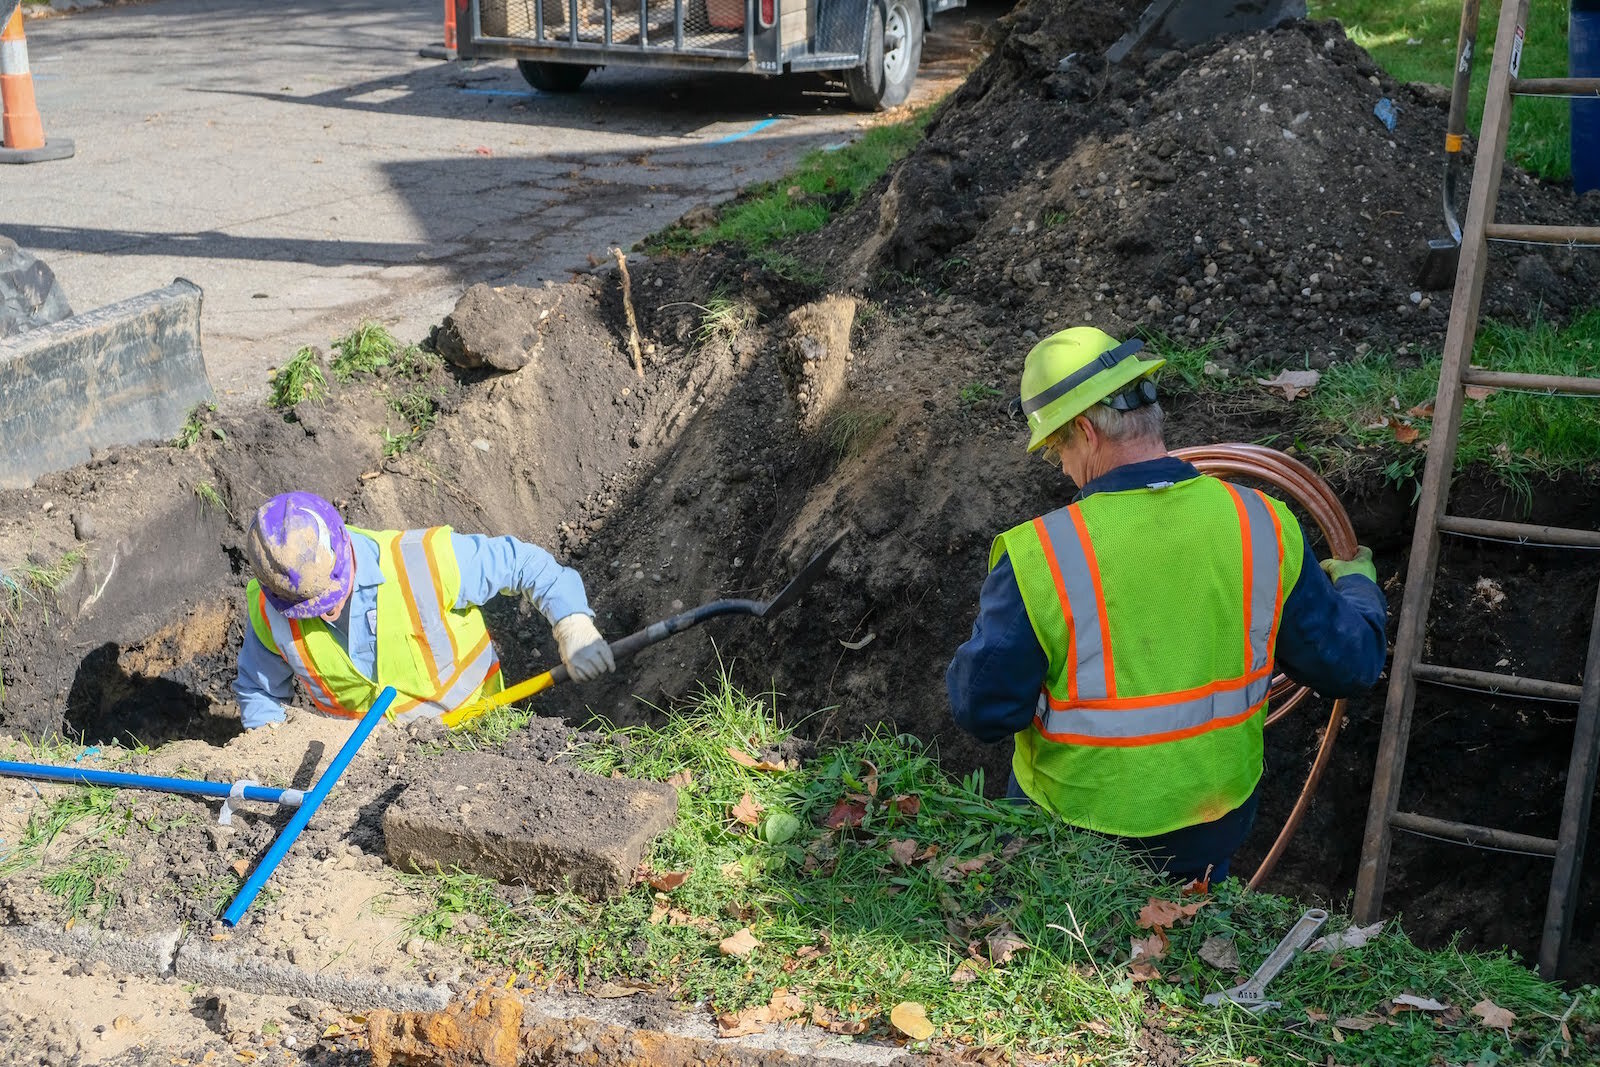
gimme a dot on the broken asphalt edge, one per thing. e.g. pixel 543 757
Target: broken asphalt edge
pixel 172 954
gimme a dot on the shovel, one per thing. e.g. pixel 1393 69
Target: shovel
pixel 1443 255
pixel 657 631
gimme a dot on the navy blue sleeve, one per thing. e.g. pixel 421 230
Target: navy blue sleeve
pixel 995 677
pixel 1332 637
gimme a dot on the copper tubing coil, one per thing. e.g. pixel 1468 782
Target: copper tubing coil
pixel 1307 489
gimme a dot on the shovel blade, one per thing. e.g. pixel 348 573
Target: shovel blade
pixel 804 580
pixel 1438 269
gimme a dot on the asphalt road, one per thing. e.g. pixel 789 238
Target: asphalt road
pixel 308 170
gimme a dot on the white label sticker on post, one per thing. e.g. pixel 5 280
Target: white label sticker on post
pixel 1516 52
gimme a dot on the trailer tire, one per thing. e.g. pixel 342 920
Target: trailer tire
pixel 893 53
pixel 553 77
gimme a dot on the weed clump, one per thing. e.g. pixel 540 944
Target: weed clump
pixel 299 380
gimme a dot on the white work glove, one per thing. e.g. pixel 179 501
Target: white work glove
pixel 583 650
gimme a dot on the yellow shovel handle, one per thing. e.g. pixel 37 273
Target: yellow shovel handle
pixel 521 691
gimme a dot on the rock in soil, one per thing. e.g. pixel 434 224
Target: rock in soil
pixel 499 328
pixel 547 826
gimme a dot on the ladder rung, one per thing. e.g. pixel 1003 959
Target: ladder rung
pixel 1513 684
pixel 1468 834
pixel 1544 235
pixel 1538 383
pixel 1555 87
pixel 1520 531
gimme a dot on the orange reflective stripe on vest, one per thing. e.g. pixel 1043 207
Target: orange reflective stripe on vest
pixel 1090 712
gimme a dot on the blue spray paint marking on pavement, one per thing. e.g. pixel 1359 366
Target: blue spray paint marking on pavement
pixel 757 128
pixel 525 93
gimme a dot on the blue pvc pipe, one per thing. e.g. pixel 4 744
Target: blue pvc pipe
pixel 1583 56
pixel 297 822
pixel 45 772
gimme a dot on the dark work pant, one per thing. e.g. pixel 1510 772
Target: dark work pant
pixel 1183 855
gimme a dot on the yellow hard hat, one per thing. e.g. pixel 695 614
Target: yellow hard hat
pixel 1069 372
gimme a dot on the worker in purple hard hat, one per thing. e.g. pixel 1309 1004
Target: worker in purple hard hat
pixel 346 612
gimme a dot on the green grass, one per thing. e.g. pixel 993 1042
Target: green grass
pixel 365 350
pixel 851 429
pixel 298 380
pixel 108 815
pixel 194 427
pixel 723 319
pixel 209 498
pixel 853 931
pixel 418 406
pixel 50 577
pixel 804 200
pixel 977 392
pixel 1539 136
pixel 87 881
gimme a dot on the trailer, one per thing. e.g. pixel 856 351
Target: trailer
pixel 875 44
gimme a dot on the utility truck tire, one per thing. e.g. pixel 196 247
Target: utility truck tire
pixel 894 51
pixel 553 77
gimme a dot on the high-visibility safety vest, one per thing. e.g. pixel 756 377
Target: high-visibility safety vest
pixel 436 657
pixel 1158 609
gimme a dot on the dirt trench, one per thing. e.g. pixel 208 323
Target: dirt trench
pixel 1044 195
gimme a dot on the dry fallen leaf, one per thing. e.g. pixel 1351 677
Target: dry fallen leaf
pixel 1004 943
pixel 967 971
pixel 1158 912
pixel 903 852
pixel 906 805
pixel 682 779
pixel 613 991
pixel 748 810
pixel 846 813
pixel 1220 952
pixel 1144 972
pixel 956 870
pixel 744 759
pixel 752 1020
pixel 1410 1002
pixel 1358 1022
pixel 667 881
pixel 658 914
pixel 1404 432
pixel 785 1004
pixel 821 1016
pixel 1422 411
pixel 739 943
pixel 1354 937
pixel 870 778
pixel 1493 1015
pixel 1293 383
pixel 1153 947
pixel 857 646
pixel 1316 1016
pixel 240 867
pixel 1480 392
pixel 911 1019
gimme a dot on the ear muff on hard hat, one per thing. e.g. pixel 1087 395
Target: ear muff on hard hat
pixel 1069 372
pixel 300 553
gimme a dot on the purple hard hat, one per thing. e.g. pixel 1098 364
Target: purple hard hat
pixel 300 554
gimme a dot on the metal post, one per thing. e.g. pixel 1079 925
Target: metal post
pixel 677 24
pixel 297 822
pixel 1583 56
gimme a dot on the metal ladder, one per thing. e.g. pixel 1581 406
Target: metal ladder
pixel 1456 374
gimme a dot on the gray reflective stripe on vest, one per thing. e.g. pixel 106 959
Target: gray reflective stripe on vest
pixel 1151 721
pixel 1083 609
pixel 435 633
pixel 465 686
pixel 1264 576
pixel 283 636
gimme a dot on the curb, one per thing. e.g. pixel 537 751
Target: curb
pixel 168 954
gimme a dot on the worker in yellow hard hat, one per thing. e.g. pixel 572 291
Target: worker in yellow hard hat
pixel 1127 641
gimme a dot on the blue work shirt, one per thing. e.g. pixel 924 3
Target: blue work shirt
pixel 1331 637
pixel 489 566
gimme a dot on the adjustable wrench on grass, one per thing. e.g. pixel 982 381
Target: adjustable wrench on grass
pixel 1252 995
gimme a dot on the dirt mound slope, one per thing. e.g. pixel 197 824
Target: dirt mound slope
pixel 1242 191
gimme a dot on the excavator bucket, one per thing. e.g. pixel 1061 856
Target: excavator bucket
pixel 121 374
pixel 1181 23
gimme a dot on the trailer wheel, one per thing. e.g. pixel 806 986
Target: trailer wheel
pixel 553 77
pixel 894 51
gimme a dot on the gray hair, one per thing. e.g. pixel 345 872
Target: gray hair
pixel 1141 424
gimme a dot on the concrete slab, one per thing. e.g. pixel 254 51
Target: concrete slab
pixel 546 826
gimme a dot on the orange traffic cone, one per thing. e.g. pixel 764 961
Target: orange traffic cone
pixel 448 50
pixel 22 138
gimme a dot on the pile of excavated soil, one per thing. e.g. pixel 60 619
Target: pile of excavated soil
pixel 735 455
